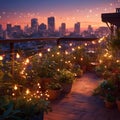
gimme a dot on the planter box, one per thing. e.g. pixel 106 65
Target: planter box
pixel 66 87
pixel 53 94
pixel 40 116
pixel 109 104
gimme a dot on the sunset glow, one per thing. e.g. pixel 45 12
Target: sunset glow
pixel 87 12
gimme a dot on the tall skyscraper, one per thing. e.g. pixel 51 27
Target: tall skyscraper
pixel 90 29
pixel 51 24
pixel 9 28
pixel 77 28
pixel 34 25
pixel 62 29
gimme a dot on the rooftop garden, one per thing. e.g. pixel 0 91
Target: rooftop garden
pixel 44 76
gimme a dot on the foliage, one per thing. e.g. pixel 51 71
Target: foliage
pixel 77 70
pixel 81 57
pixel 7 111
pixel 65 76
pixel 115 43
pixel 110 98
pixel 54 86
pixel 31 107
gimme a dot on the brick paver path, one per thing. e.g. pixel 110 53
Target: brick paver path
pixel 81 105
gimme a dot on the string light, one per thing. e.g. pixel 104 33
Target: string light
pixel 93 42
pixel 27 91
pixel 59 46
pixel 17 56
pixel 66 52
pixel 86 44
pixel 40 54
pixel 58 53
pixel 15 87
pixel 48 50
pixel 117 61
pixel 73 49
pixel 1 57
pixel 70 44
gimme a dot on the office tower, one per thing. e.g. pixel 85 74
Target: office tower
pixel 77 28
pixel 42 27
pixel 90 29
pixel 34 25
pixel 62 29
pixel 1 32
pixel 51 24
pixel 9 28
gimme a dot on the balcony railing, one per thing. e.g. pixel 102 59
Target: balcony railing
pixel 36 45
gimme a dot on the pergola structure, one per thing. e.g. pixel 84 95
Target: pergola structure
pixel 112 20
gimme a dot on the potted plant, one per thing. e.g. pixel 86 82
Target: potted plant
pixel 54 89
pixel 65 78
pixel 77 70
pixel 109 101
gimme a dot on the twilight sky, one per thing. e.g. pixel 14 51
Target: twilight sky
pixel 88 12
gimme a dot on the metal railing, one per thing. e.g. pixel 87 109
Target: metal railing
pixel 11 44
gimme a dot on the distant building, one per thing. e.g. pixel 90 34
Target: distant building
pixel 1 32
pixel 42 29
pixel 9 28
pixel 17 31
pixel 62 29
pixel 102 31
pixel 51 24
pixel 90 30
pixel 34 25
pixel 8 32
pixel 77 28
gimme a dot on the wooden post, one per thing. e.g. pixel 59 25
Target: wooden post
pixel 12 57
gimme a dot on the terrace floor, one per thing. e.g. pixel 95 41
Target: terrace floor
pixel 81 105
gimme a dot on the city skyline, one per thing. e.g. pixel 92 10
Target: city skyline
pixel 70 11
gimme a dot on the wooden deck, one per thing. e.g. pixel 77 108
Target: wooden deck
pixel 81 105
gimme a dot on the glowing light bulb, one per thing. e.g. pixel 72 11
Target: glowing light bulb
pixel 52 55
pixel 40 54
pixel 117 61
pixel 15 87
pixel 66 52
pixel 74 57
pixel 81 59
pixel 48 49
pixel 93 42
pixel 27 61
pixel 86 44
pixel 70 44
pixel 73 49
pixel 100 61
pixel 58 53
pixel 1 57
pixel 27 91
pixel 59 46
pixel 17 55
pixel 13 94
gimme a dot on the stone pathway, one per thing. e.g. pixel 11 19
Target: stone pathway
pixel 81 105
